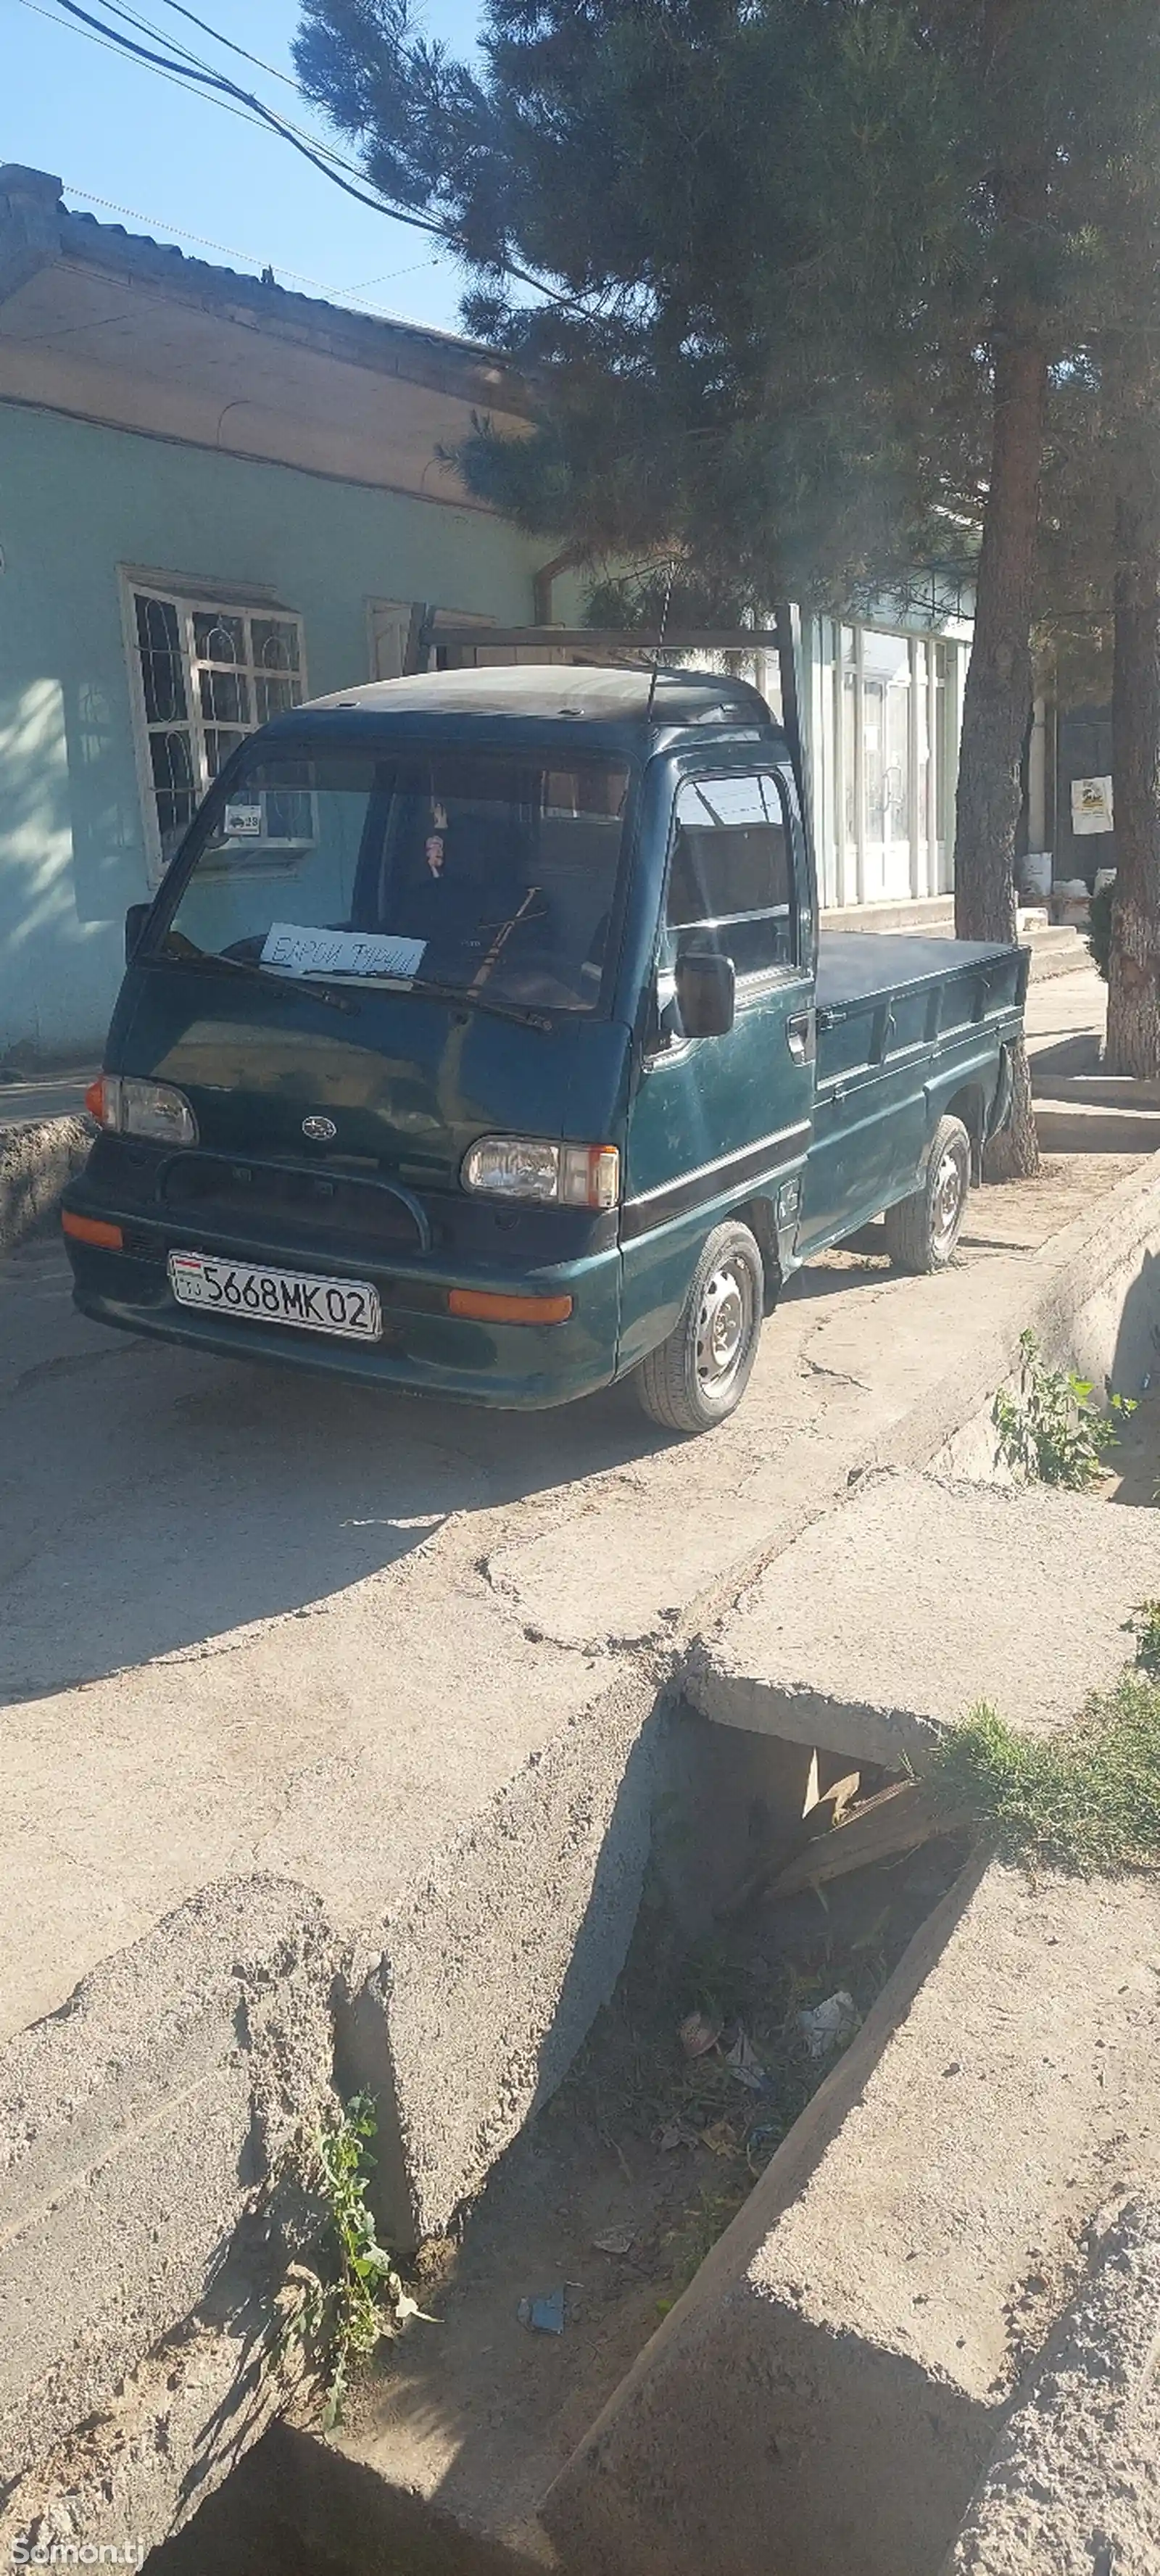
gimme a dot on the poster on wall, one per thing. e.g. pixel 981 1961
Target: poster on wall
pixel 1091 805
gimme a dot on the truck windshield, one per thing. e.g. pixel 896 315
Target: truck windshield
pixel 486 874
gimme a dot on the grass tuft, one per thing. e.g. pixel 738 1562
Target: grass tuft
pixel 1086 1802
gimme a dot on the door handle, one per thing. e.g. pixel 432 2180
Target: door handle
pixel 799 1036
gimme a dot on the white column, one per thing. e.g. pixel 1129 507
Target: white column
pixel 933 758
pixel 859 782
pixel 917 654
pixel 1037 778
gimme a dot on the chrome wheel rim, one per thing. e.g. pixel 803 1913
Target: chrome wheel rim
pixel 950 1190
pixel 724 1321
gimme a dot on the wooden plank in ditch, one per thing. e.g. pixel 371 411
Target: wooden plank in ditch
pixel 894 1822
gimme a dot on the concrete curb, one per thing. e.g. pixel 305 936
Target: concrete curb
pixel 36 1162
pixel 1097 1310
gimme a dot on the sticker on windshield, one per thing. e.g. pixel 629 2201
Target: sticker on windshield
pixel 243 823
pixel 294 951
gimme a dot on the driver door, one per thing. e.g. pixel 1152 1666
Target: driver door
pixel 716 1120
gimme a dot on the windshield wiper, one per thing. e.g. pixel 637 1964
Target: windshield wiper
pixel 521 1012
pixel 198 957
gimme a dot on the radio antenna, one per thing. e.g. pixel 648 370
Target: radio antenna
pixel 652 686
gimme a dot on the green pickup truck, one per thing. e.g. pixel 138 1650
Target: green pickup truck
pixel 481 1040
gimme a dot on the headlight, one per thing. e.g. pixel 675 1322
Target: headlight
pixel 128 1107
pixel 524 1167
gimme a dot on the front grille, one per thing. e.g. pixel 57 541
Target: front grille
pixel 242 1197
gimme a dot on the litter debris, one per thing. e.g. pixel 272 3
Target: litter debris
pixel 406 2307
pixel 743 2062
pixel 615 2240
pixel 677 2133
pixel 721 2139
pixel 831 2024
pixel 698 2034
pixel 545 2314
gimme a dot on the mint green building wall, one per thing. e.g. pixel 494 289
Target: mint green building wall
pixel 76 501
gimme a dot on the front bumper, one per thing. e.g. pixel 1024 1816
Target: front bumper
pixel 422 1348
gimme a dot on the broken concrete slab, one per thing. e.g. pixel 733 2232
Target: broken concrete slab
pixel 139 2125
pixel 894 1615
pixel 37 1157
pixel 175 2428
pixel 1074 2485
pixel 838 2372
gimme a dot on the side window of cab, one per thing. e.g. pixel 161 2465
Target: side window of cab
pixel 730 887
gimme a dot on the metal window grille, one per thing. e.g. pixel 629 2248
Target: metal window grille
pixel 210 673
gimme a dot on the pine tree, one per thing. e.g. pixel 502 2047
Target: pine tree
pixel 809 272
pixel 731 352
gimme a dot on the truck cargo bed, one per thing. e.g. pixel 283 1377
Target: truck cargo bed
pixel 857 965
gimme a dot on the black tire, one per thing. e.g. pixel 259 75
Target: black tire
pixel 697 1377
pixel 922 1231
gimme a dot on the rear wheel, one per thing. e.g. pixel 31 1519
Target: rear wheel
pixel 922 1231
pixel 699 1374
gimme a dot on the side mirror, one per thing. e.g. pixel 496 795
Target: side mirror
pixel 706 994
pixel 135 920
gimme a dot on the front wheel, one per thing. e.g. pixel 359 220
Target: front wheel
pixel 698 1376
pixel 922 1231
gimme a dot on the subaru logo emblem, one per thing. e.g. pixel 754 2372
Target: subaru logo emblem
pixel 319 1130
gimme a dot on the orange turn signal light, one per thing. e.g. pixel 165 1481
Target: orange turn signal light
pixel 486 1309
pixel 95 1100
pixel 93 1229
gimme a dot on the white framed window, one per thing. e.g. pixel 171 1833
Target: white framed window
pixel 206 669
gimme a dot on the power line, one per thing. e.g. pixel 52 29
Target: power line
pixel 192 64
pixel 228 42
pixel 157 223
pixel 225 91
pixel 109 45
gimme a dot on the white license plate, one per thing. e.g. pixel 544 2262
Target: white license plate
pixel 347 1306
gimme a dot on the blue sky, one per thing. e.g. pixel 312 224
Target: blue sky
pixel 183 166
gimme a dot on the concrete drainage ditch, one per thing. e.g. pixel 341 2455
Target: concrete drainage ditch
pixel 602 2212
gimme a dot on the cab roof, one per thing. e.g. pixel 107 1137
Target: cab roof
pixel 608 695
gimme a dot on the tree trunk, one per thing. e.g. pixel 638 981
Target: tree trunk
pixel 1134 964
pixel 997 700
